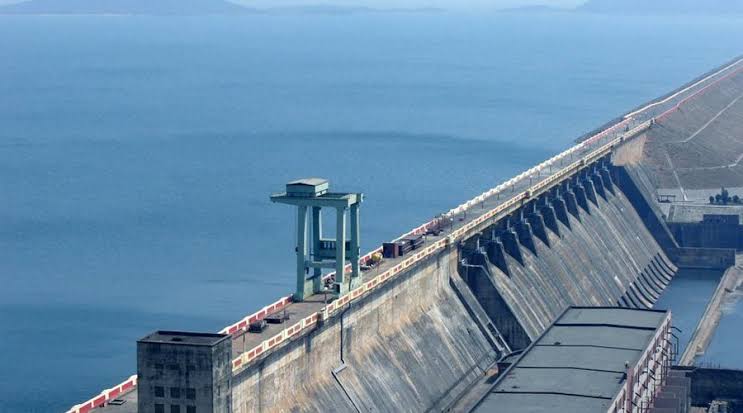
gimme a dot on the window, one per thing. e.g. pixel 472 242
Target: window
pixel 190 409
pixel 159 408
pixel 175 392
pixel 191 394
pixel 159 391
pixel 174 408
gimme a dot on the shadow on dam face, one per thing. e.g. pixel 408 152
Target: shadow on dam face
pixel 408 346
pixel 599 254
pixel 422 340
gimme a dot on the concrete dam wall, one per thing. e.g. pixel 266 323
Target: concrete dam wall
pixel 581 244
pixel 419 332
pixel 421 341
pixel 409 346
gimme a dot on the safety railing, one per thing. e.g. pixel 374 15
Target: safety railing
pixel 105 396
pixel 696 94
pixel 258 315
pixel 646 378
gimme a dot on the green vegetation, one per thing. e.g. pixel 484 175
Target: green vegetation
pixel 724 198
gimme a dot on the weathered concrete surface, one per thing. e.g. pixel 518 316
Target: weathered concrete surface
pixel 717 230
pixel 641 195
pixel 674 396
pixel 409 346
pixel 731 280
pixel 605 257
pixel 704 258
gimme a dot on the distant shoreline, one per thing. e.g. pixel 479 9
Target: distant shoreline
pixel 245 11
pixel 344 11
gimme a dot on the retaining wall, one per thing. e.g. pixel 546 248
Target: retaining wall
pixel 705 258
pixel 708 233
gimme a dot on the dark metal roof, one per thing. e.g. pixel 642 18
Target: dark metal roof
pixel 309 181
pixel 577 365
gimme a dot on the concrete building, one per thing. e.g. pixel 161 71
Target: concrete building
pixel 181 372
pixel 699 226
pixel 590 360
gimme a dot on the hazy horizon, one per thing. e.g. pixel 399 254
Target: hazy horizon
pixel 441 4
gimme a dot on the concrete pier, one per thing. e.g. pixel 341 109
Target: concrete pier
pixel 497 255
pixel 571 202
pixel 549 217
pixel 590 190
pixel 606 258
pixel 581 198
pixel 511 245
pixel 561 210
pixel 598 184
pixel 538 227
pixel 606 177
pixel 525 235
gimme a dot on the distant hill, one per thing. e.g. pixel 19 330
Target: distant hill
pixel 340 10
pixel 181 7
pixel 151 7
pixel 533 9
pixel 664 6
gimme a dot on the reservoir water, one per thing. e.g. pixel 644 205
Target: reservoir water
pixel 724 350
pixel 687 297
pixel 137 153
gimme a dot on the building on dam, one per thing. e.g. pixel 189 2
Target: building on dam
pixel 537 295
pixel 184 372
pixel 590 360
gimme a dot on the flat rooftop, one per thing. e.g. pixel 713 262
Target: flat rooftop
pixel 126 403
pixel 577 365
pixel 184 337
pixel 695 213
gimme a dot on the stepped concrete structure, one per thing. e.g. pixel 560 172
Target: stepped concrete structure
pixel 591 359
pixel 431 330
pixel 603 256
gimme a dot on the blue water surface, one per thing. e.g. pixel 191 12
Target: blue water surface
pixel 724 348
pixel 686 297
pixel 137 153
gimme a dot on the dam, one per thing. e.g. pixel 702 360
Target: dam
pixel 429 330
